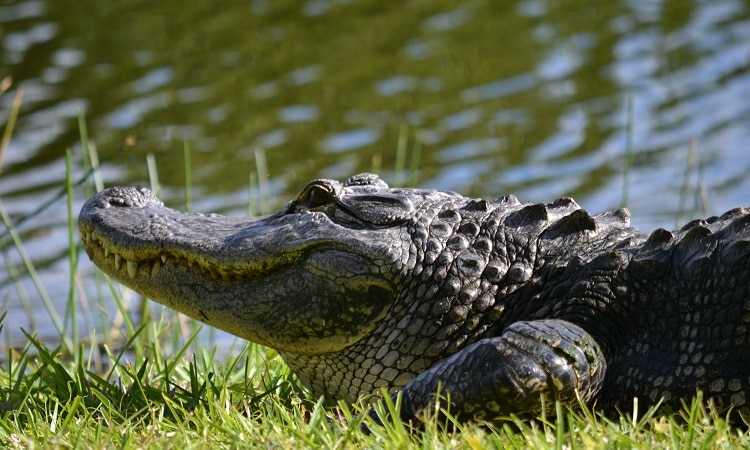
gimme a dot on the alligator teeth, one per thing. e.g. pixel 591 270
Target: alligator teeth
pixel 118 261
pixel 106 252
pixel 163 259
pixel 132 268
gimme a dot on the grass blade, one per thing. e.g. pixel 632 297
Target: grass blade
pixel 29 265
pixel 71 310
pixel 188 177
pixel 10 125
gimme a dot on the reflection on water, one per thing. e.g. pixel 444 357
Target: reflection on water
pixel 536 98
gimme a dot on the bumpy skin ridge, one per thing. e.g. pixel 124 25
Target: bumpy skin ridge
pixel 502 305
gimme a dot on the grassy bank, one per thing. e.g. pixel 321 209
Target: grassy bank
pixel 166 397
pixel 153 383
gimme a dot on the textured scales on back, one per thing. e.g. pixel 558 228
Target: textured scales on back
pixel 503 305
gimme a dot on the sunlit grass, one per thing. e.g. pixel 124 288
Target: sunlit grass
pixel 152 383
pixel 10 124
pixel 191 400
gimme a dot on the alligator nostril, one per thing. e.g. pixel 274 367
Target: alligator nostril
pixel 129 197
pixel 118 201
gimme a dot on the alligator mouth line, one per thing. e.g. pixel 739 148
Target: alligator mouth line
pixel 104 253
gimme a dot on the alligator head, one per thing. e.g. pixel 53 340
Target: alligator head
pixel 312 279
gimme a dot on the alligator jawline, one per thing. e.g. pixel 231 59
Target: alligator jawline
pixel 104 253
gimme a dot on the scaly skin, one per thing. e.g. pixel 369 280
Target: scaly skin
pixel 501 304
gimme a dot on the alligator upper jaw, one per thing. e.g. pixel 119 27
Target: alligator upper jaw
pixel 143 233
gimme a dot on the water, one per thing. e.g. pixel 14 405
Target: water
pixel 536 98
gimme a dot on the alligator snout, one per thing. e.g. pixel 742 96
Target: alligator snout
pixel 122 196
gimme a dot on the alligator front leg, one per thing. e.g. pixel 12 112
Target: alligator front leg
pixel 530 363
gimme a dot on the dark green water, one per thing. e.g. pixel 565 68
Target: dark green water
pixel 537 98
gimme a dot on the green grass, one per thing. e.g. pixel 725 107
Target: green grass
pixel 158 385
pixel 160 399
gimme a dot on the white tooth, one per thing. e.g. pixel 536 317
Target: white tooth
pixel 132 267
pixel 118 261
pixel 106 252
pixel 163 259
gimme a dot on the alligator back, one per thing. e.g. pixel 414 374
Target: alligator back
pixel 685 320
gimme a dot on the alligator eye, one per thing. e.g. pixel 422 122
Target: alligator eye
pixel 318 196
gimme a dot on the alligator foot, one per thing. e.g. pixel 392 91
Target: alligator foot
pixel 531 364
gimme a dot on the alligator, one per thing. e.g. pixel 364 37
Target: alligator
pixel 500 306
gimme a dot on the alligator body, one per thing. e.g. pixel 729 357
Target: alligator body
pixel 502 305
